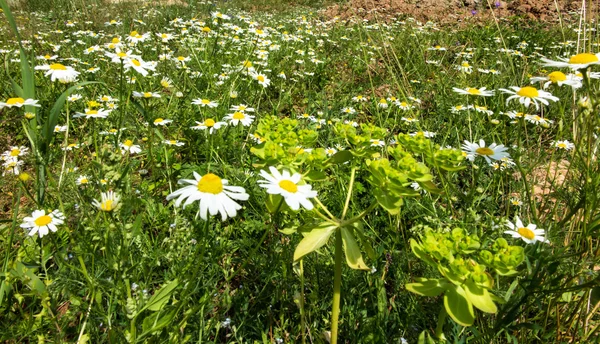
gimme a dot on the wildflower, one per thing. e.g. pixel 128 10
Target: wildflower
pixel 349 110
pixel 382 103
pixel 110 201
pixel 176 143
pixel 465 67
pixel 575 62
pixel 89 113
pixel 18 102
pixel 57 71
pixel 205 102
pixel 82 180
pixel 530 233
pixel 162 121
pixel 538 120
pixel 377 143
pixel 527 95
pixel 470 91
pixel 213 193
pixel 262 79
pixel 12 165
pixel 286 185
pixel 242 108
pixel 493 152
pixel 139 65
pixel 559 78
pixel 563 144
pixel 71 146
pixel 146 95
pixel 239 117
pixel 330 151
pixel 516 202
pixel 359 99
pixel 15 152
pixel 209 124
pixel 128 146
pixel 41 223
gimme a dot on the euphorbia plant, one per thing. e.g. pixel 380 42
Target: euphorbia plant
pixel 391 171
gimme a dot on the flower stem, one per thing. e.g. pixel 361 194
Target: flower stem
pixel 337 286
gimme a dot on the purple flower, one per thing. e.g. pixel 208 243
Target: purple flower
pixel 473 12
pixel 498 4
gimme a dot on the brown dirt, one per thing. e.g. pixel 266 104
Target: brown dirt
pixel 450 11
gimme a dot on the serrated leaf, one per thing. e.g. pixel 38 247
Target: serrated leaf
pixel 428 287
pixel 314 240
pixel 353 256
pixel 480 297
pixel 458 306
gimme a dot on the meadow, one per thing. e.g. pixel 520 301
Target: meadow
pixel 214 172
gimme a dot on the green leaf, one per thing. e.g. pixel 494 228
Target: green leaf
pixel 315 176
pixel 353 256
pixel 314 240
pixel 388 201
pixel 340 157
pixel 161 297
pixel 480 297
pixel 365 241
pixel 458 306
pixel 428 287
pixel 155 322
pixel 420 253
pixel 425 338
pixel 273 202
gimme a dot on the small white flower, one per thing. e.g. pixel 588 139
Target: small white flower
pixel 530 233
pixel 41 223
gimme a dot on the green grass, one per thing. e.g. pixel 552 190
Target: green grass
pixel 152 272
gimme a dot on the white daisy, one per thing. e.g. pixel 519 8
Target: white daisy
pixel 527 95
pixel 286 185
pixel 471 91
pixel 493 152
pixel 559 78
pixel 57 71
pixel 173 143
pixel 205 102
pixel 213 194
pixel 242 108
pixel 146 95
pixel 129 147
pixel 162 121
pixel 575 62
pixel 262 79
pixel 530 233
pixel 377 143
pixel 239 117
pixel 41 223
pixel 82 180
pixel 139 65
pixel 18 102
pixel 563 144
pixel 110 201
pixel 89 113
pixel 209 124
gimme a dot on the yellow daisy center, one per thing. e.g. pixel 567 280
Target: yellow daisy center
pixel 484 151
pixel 158 120
pixel 57 66
pixel 260 78
pixel 43 220
pixel 382 101
pixel 180 58
pixel 15 152
pixel 133 33
pixel 164 35
pixel 238 115
pixel 15 101
pixel 47 57
pixel 557 76
pixel 147 94
pixel 288 186
pixel 466 64
pixel 376 142
pixel 526 233
pixel 205 101
pixel 107 205
pixel 121 54
pixel 209 122
pixel 206 29
pixel 83 181
pixel 128 143
pixel 529 92
pixel 92 112
pixel 473 91
pixel 116 40
pixel 583 58
pixel 210 183
pixel 561 145
pixel 136 62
